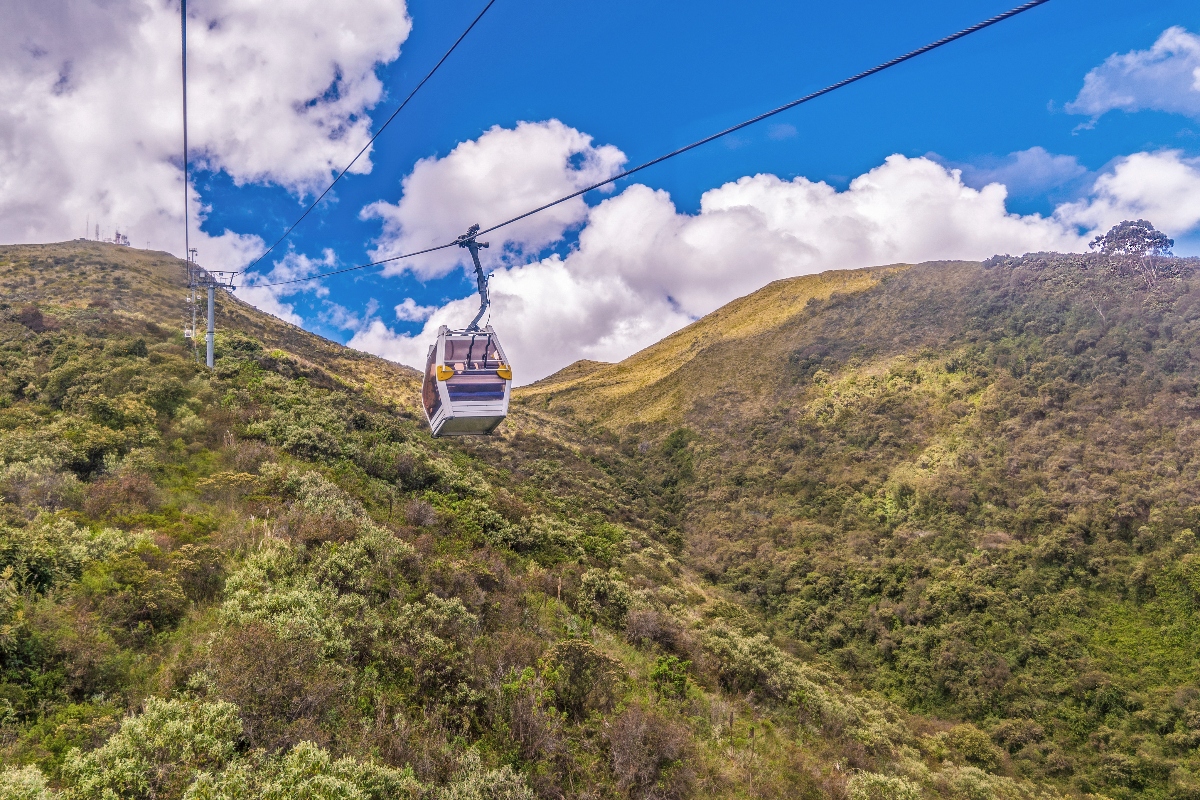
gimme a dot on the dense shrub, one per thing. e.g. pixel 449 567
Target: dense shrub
pixel 604 596
pixel 581 677
pixel 649 755
pixel 157 753
pixel 669 677
pixel 873 786
pixel 284 689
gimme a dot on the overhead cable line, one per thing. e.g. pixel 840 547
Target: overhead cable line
pixel 987 23
pixel 370 142
pixel 187 245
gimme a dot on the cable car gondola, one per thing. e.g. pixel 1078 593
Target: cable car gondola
pixel 467 376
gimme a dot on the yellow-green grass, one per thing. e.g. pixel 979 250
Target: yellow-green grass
pixel 662 381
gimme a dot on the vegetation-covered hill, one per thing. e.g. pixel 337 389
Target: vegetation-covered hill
pixel 701 362
pixel 971 487
pixel 267 581
pixel 896 533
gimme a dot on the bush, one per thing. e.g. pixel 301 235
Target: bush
pixel 431 636
pixel 603 596
pixel 420 514
pixel 44 554
pixel 582 678
pixel 126 493
pixel 40 483
pixel 23 783
pixel 199 570
pixel 474 782
pixel 549 540
pixel 1014 734
pixel 669 677
pixel 305 771
pixel 188 749
pixel 132 596
pixel 166 396
pixel 536 728
pixel 754 663
pixel 873 786
pixel 271 587
pixel 974 746
pixel 156 753
pixel 646 626
pixel 31 317
pixel 649 755
pixel 284 689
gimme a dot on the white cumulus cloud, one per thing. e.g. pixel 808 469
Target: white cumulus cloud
pixel 641 269
pixel 1162 187
pixel 503 173
pixel 409 311
pixel 1164 78
pixel 90 117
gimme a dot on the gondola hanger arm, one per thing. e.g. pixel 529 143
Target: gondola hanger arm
pixel 469 241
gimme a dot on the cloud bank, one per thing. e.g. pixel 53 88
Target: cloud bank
pixel 90 117
pixel 1164 78
pixel 1163 187
pixel 641 269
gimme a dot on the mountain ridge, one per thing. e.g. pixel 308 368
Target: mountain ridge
pixel 965 484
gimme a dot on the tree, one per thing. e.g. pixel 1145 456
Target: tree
pixel 1136 244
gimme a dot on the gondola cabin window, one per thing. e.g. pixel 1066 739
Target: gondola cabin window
pixel 429 391
pixel 475 362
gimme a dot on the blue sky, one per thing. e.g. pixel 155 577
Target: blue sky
pixel 645 77
pixel 650 76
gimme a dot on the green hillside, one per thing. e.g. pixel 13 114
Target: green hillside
pixel 267 581
pixel 970 488
pixel 917 531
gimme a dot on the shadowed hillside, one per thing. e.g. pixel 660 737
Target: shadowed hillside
pixel 972 487
pixel 268 581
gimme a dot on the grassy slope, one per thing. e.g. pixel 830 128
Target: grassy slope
pixel 284 536
pixel 971 487
pixel 662 381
